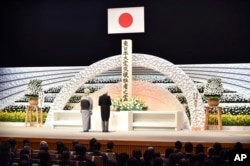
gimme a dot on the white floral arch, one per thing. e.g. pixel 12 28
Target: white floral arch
pixel 163 66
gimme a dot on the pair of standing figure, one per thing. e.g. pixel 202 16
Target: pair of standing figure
pixel 87 106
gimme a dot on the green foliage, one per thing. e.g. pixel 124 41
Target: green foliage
pixel 231 120
pixel 166 80
pixel 49 98
pixel 236 110
pixel 14 108
pixel 75 99
pixel 174 89
pixel 68 107
pixel 200 88
pixel 17 116
pixel 23 99
pixel 20 108
pixel 182 99
pixel 92 88
pixel 53 90
pixel 234 98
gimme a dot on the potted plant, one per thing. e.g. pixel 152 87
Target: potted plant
pixel 32 91
pixel 213 91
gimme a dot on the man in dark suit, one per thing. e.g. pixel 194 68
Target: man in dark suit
pixel 105 103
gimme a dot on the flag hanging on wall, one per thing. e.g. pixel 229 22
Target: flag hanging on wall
pixel 126 20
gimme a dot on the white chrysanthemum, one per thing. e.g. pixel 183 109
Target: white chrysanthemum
pixel 213 88
pixel 33 89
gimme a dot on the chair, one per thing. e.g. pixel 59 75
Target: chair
pixel 34 155
pixel 55 162
pixel 73 162
pixel 89 155
pixel 15 164
pixel 52 151
pixel 55 156
pixel 35 162
pixel 111 156
pixel 81 163
pixel 52 156
pixel 98 160
pixel 18 153
pixel 16 161
pixel 35 150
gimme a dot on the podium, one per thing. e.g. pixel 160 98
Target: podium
pixel 39 115
pixel 208 111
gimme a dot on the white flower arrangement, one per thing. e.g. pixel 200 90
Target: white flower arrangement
pixel 213 88
pixel 33 89
pixel 133 104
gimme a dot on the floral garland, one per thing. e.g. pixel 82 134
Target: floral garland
pixel 133 104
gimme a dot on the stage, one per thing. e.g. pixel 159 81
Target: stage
pixel 161 135
pixel 125 141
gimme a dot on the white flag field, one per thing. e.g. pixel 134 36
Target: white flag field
pixel 126 20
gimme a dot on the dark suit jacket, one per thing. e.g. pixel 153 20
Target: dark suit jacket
pixel 105 103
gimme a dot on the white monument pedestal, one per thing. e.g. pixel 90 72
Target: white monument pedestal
pixel 122 120
pixel 119 121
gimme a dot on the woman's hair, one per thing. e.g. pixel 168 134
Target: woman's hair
pixel 86 91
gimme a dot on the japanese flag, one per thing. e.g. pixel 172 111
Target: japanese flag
pixel 126 20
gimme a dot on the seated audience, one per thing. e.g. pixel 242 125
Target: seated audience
pixel 60 146
pixel 157 161
pixel 26 145
pixel 64 159
pixel 178 146
pixel 13 149
pixel 74 143
pixel 238 146
pixel 97 152
pixel 25 160
pixel 148 156
pixel 123 159
pixel 44 146
pixel 92 141
pixel 168 152
pixel 5 155
pixel 110 146
pixel 199 156
pixel 136 158
pixel 80 154
pixel 44 157
pixel 173 156
pixel 111 154
pixel 188 150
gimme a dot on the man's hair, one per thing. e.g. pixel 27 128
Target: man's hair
pixel 97 145
pixel 188 147
pixel 110 145
pixel 178 144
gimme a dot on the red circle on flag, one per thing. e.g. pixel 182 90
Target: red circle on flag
pixel 125 20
